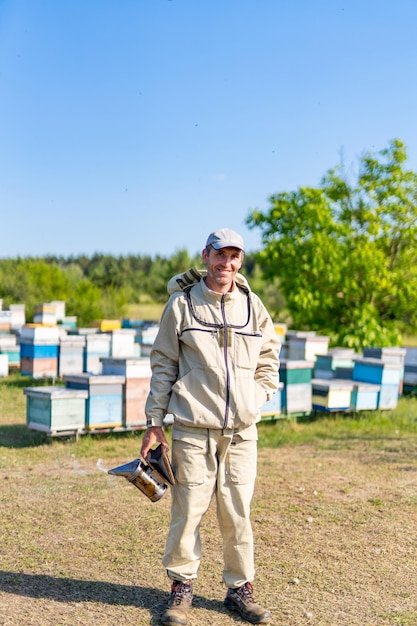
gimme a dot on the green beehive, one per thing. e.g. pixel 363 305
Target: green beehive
pixel 53 409
pixel 293 372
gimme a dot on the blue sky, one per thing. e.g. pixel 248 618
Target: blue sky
pixel 138 126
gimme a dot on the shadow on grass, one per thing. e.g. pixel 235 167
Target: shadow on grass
pixel 73 590
pixel 20 436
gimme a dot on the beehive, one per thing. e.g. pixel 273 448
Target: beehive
pixel 39 351
pixel 5 321
pixel 296 376
pixel 122 343
pixel 137 375
pixel 365 396
pixel 45 313
pixel 105 398
pixel 53 409
pixel 331 395
pixel 391 354
pixel 306 346
pixel 18 316
pixel 295 371
pixel 13 354
pixel 379 372
pixel 4 365
pixel 37 333
pixel 326 365
pixel 376 371
pixel 106 325
pixel 71 355
pixel 97 345
pixel 273 406
pixel 39 368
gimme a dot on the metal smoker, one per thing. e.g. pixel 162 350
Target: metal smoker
pixel 150 478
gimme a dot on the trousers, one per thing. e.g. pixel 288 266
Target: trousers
pixel 212 463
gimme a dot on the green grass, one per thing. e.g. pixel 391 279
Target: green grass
pixel 326 427
pixel 144 311
pixel 409 340
pixel 321 428
pixel 334 509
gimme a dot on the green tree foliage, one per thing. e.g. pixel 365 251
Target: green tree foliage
pixel 268 290
pixel 31 281
pixel 165 269
pixel 93 288
pixel 346 253
pixel 85 301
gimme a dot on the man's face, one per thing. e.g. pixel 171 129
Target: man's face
pixel 222 267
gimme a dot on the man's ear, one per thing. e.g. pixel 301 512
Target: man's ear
pixel 204 256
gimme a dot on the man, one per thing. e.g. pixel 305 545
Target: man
pixel 214 364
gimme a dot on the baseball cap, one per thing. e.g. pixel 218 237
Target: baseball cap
pixel 225 238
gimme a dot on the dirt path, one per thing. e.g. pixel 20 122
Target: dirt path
pixel 336 542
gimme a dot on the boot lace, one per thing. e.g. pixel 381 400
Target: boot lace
pixel 180 591
pixel 245 593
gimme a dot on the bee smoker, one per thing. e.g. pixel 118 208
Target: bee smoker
pixel 141 475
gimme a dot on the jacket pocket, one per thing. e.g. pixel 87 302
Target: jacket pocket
pixel 249 397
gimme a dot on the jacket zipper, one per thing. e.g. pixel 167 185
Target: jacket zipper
pixel 226 362
pixel 225 331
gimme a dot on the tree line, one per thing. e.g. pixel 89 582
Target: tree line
pixel 340 259
pixel 102 285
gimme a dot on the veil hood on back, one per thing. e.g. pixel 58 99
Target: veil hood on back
pixel 192 276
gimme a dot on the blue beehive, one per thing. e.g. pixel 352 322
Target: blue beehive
pixel 379 372
pixel 35 351
pixel 105 398
pixel 389 355
pixel 376 371
pixel 39 350
pixel 365 396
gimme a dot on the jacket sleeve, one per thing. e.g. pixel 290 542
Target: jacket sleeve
pixel 267 369
pixel 164 363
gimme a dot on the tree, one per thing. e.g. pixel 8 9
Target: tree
pixel 346 253
pixel 163 269
pixel 85 302
pixel 31 281
pixel 268 290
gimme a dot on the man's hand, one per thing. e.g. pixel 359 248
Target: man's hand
pixel 153 434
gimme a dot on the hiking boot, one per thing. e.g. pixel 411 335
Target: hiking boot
pixel 242 601
pixel 179 603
